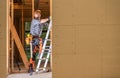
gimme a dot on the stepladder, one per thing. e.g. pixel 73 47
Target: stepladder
pixel 45 51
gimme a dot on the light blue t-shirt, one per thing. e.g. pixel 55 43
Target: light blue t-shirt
pixel 36 28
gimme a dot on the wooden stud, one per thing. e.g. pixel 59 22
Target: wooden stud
pixel 51 33
pixel 17 6
pixel 51 8
pixel 23 25
pixel 51 52
pixel 32 9
pixel 9 59
pixel 12 52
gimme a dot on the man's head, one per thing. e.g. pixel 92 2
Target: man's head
pixel 37 14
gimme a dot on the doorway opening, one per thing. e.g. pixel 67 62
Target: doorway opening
pixel 21 13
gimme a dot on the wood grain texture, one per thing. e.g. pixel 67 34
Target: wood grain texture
pixel 19 44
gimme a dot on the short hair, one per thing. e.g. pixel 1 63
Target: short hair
pixel 37 12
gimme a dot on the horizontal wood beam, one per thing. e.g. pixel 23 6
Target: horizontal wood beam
pixel 18 6
pixel 29 6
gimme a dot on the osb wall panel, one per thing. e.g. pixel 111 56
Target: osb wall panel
pixel 86 38
pixel 3 39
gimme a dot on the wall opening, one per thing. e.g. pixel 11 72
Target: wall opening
pixel 21 14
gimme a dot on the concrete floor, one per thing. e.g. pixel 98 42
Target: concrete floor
pixel 35 75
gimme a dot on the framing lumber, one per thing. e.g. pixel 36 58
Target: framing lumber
pixel 18 43
pixel 9 58
pixel 22 25
pixel 17 6
pixel 50 7
pixel 32 9
pixel 51 33
pixel 12 39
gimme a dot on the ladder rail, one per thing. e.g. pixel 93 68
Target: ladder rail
pixel 31 50
pixel 46 61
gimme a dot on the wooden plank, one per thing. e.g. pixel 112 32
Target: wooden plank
pixel 50 7
pixel 28 6
pixel 23 25
pixel 18 43
pixel 12 54
pixel 9 59
pixel 51 32
pixel 51 52
pixel 44 1
pixel 32 9
pixel 12 39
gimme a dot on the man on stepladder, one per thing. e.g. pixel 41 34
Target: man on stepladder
pixel 36 31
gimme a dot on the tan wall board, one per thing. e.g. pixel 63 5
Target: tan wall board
pixel 100 42
pixel 64 43
pixel 96 37
pixel 76 67
pixel 3 40
pixel 95 27
pixel 74 12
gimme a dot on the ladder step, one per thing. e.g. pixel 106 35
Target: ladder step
pixel 41 68
pixel 47 46
pixel 43 58
pixel 46 52
pixel 48 39
pixel 46 49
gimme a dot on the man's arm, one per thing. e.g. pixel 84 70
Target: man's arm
pixel 44 20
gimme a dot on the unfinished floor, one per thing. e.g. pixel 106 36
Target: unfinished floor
pixel 26 75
